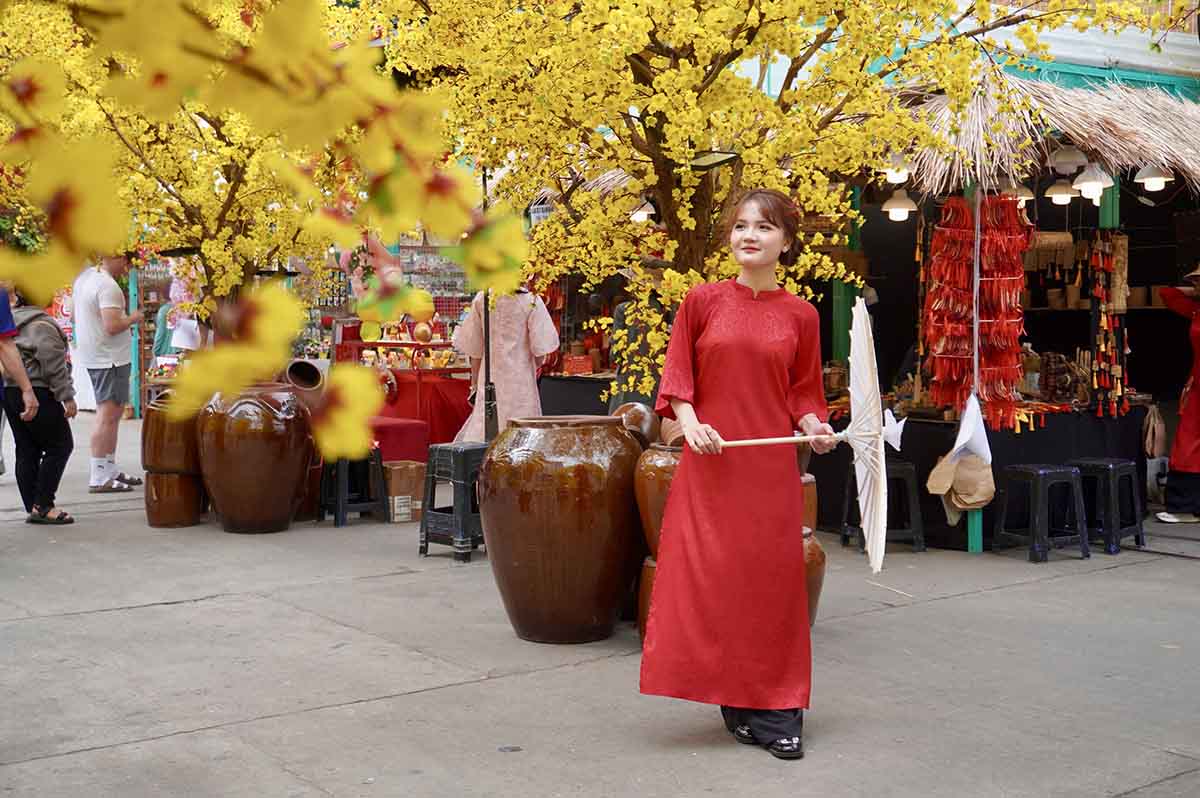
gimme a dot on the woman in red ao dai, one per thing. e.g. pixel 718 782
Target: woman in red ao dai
pixel 728 621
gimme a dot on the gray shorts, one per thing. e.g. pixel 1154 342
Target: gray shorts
pixel 111 384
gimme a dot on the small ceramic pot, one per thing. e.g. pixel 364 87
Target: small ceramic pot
pixel 814 571
pixel 649 568
pixel 641 421
pixel 671 432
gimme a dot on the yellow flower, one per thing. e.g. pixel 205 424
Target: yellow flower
pixel 76 189
pixel 272 318
pixel 441 199
pixel 34 90
pixel 227 368
pixel 329 225
pixel 390 298
pixel 493 254
pixel 341 425
pixel 40 275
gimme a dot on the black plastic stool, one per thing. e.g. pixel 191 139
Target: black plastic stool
pixel 1103 478
pixel 1038 535
pixel 458 525
pixel 897 471
pixel 358 486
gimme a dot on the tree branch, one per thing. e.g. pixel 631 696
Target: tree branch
pixel 802 60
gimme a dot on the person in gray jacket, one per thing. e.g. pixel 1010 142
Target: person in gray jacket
pixel 44 442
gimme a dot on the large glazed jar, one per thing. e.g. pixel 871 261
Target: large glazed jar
pixel 652 482
pixel 168 447
pixel 255 452
pixel 173 500
pixel 559 519
pixel 174 493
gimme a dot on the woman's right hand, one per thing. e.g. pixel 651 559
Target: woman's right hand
pixel 703 438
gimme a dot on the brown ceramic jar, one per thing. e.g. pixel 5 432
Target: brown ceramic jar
pixel 645 590
pixel 652 482
pixel 255 452
pixel 559 519
pixel 173 500
pixel 168 447
pixel 814 572
pixel 641 421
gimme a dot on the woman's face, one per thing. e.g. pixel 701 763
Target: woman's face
pixel 756 242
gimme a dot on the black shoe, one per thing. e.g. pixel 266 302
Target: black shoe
pixel 743 735
pixel 787 748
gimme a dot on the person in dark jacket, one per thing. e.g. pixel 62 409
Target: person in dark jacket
pixel 44 442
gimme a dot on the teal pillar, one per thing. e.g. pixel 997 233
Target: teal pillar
pixel 135 341
pixel 1110 206
pixel 844 294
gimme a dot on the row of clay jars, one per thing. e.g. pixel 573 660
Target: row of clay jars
pixel 174 491
pixel 252 453
pixel 652 482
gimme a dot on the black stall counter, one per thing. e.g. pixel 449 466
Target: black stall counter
pixel 1065 437
pixel 574 395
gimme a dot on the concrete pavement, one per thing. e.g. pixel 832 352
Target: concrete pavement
pixel 320 661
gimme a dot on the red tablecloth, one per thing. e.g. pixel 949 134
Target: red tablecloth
pixel 401 438
pixel 443 403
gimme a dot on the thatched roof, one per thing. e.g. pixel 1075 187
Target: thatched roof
pixel 1119 127
pixel 605 184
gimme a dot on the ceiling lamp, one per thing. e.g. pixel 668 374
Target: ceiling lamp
pixel 899 206
pixel 642 214
pixel 1090 182
pixel 1153 178
pixel 1018 190
pixel 897 169
pixel 1061 192
pixel 1068 159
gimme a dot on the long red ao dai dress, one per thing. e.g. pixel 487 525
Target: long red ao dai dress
pixel 728 620
pixel 1183 479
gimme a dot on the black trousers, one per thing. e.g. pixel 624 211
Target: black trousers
pixel 1183 492
pixel 43 446
pixel 767 725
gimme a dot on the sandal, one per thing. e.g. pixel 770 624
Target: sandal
pixel 42 516
pixel 113 485
pixel 121 476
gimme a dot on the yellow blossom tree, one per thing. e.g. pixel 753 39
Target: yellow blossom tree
pixel 632 97
pixel 240 132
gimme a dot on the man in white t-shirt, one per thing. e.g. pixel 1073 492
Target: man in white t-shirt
pixel 102 334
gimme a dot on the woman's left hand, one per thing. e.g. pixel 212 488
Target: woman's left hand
pixel 810 425
pixel 70 409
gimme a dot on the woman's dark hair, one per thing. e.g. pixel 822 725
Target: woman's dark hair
pixel 780 211
pixel 18 299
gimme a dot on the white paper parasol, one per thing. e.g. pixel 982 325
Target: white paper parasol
pixel 865 434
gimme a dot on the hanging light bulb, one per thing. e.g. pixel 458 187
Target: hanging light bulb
pixel 1061 193
pixel 642 214
pixel 1090 181
pixel 897 169
pixel 899 206
pixel 1018 190
pixel 1153 178
pixel 1068 159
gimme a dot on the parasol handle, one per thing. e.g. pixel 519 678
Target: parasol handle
pixel 795 439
